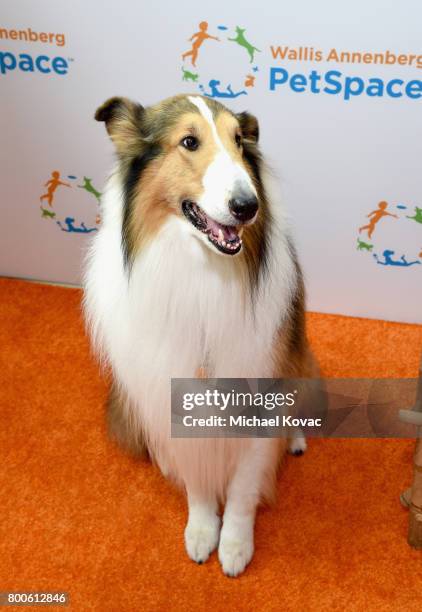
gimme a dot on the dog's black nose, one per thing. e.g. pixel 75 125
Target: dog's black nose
pixel 243 206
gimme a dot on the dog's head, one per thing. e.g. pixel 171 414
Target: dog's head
pixel 187 156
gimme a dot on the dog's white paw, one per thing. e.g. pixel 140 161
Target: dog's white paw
pixel 297 445
pixel 235 550
pixel 201 537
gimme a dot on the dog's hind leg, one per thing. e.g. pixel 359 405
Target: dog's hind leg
pixel 122 425
pixel 203 526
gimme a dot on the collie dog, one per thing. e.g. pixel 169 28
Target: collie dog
pixel 193 269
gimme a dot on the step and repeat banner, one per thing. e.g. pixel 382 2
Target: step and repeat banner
pixel 337 90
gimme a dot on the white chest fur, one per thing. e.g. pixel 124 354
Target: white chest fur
pixel 182 307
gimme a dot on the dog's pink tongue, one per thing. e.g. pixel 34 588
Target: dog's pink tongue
pixel 229 232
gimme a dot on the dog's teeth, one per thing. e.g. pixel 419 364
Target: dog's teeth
pixel 223 243
pixel 220 235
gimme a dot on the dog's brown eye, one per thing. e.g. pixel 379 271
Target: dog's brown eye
pixel 191 143
pixel 238 140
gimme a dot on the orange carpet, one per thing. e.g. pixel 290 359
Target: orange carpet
pixel 80 516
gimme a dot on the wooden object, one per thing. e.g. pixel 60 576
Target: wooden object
pixel 412 498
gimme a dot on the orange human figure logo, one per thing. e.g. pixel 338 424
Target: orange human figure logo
pixel 198 38
pixel 52 185
pixel 376 215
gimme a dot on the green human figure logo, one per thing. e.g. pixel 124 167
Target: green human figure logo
pixel 88 186
pixel 242 42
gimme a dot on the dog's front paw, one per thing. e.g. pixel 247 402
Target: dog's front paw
pixel 297 445
pixel 201 537
pixel 236 549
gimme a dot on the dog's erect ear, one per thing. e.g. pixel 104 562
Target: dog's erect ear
pixel 123 119
pixel 249 126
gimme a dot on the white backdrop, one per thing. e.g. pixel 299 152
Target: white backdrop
pixel 337 158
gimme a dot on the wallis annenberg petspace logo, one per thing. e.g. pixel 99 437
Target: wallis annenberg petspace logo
pixel 226 61
pixel 29 51
pixel 263 408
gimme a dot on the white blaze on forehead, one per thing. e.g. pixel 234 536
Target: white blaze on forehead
pixel 222 174
pixel 205 111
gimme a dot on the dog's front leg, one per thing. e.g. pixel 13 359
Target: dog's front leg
pixel 203 527
pixel 255 472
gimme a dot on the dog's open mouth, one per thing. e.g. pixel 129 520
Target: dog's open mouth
pixel 225 238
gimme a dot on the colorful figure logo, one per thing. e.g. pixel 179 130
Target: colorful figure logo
pixel 211 86
pixel 68 224
pixel 364 246
pixel 389 261
pixel 417 216
pixel 376 216
pixel 240 39
pixel 69 221
pixel 197 40
pixel 52 185
pixel 88 186
pixel 388 257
